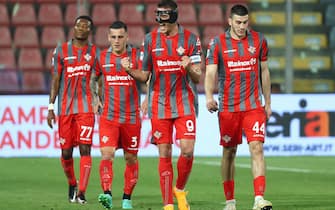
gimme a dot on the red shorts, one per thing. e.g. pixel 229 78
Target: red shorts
pixel 162 129
pixel 126 136
pixel 75 129
pixel 231 124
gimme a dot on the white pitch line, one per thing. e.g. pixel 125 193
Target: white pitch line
pixel 271 168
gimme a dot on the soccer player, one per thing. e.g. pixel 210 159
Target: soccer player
pixel 120 122
pixel 172 57
pixel 72 63
pixel 239 57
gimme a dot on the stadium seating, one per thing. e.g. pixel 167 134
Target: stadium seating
pixel 276 40
pixel 189 15
pixel 48 60
pixel 26 36
pixel 307 18
pixel 30 59
pixel 9 82
pixel 51 36
pixel 7 59
pixel 268 18
pixel 313 85
pixel 150 18
pixel 6 40
pixel 33 82
pixel 24 14
pixel 72 11
pixel 210 32
pixel 276 62
pixel 136 35
pixel 50 14
pixel 332 37
pixel 311 41
pixel 330 14
pixel 129 1
pixel 101 11
pixel 4 18
pixel 101 37
pixel 312 63
pixel 211 14
pixel 136 11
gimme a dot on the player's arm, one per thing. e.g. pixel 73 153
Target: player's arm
pixel 96 85
pixel 266 87
pixel 54 87
pixel 52 98
pixel 144 105
pixel 211 71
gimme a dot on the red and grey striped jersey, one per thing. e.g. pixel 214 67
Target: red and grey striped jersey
pixel 239 70
pixel 172 93
pixel 120 92
pixel 74 66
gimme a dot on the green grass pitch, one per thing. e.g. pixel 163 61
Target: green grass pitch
pixel 293 183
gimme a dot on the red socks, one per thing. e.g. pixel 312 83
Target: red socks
pixel 85 171
pixel 259 185
pixel 130 178
pixel 69 171
pixel 106 175
pixel 228 187
pixel 165 178
pixel 184 167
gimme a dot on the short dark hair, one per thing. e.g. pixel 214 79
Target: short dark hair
pixel 239 9
pixel 85 17
pixel 168 3
pixel 118 24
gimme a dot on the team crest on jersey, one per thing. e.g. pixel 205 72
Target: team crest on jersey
pixel 157 134
pixel 87 57
pixel 180 50
pixel 226 138
pixel 252 49
pixel 105 139
pixel 62 141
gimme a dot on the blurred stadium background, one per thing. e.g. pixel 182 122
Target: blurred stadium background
pixel 300 33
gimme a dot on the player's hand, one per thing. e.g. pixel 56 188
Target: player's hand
pixel 97 108
pixel 51 118
pixel 186 62
pixel 125 63
pixel 212 105
pixel 268 111
pixel 144 106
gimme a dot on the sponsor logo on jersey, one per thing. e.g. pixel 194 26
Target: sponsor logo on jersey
pixel 78 70
pixel 162 63
pixel 110 78
pixel 85 67
pixel 239 63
